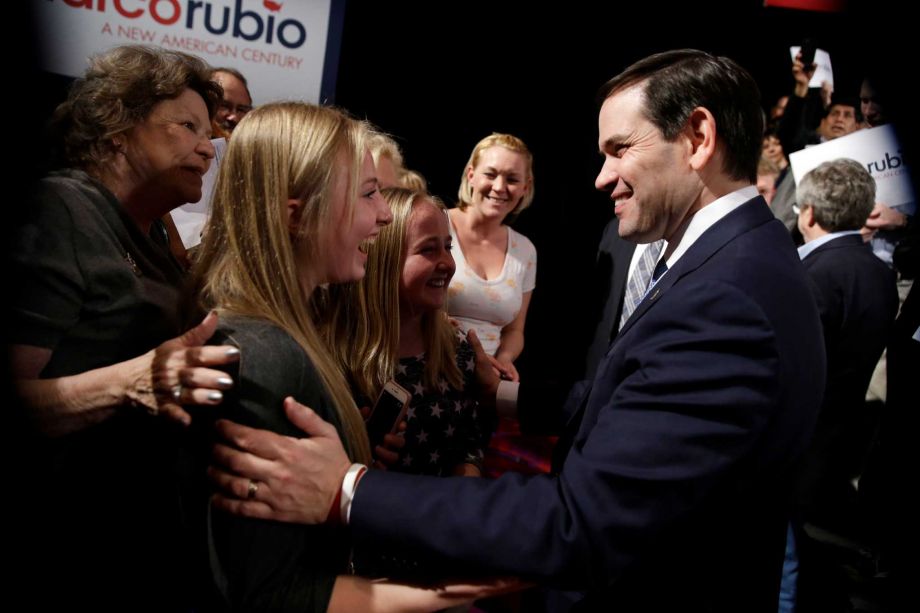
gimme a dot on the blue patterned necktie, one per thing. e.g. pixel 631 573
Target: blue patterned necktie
pixel 639 280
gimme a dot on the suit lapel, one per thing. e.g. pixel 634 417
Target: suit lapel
pixel 749 215
pixel 621 261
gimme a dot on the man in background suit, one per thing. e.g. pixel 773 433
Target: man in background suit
pixel 670 495
pixel 613 263
pixel 858 300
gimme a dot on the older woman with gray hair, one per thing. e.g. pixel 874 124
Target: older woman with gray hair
pixel 94 343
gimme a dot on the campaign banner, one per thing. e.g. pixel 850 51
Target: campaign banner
pixel 879 151
pixel 285 49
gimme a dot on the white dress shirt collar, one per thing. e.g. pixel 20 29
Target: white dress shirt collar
pixel 810 246
pixel 705 218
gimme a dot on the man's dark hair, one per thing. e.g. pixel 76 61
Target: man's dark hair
pixel 843 100
pixel 676 82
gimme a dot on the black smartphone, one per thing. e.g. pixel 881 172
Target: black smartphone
pixel 808 52
pixel 388 411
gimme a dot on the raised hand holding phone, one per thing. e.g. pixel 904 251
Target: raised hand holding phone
pixel 387 413
pixel 808 54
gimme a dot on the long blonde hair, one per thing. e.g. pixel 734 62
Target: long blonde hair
pixel 361 321
pixel 247 264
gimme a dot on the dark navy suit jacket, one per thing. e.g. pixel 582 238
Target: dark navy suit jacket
pixel 673 493
pixel 613 257
pixel 858 300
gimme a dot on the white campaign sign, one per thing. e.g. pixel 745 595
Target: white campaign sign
pixel 875 148
pixel 279 46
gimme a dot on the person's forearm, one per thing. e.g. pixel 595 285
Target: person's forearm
pixel 160 381
pixel 359 594
pixel 511 346
pixel 791 125
pixel 466 470
pixel 68 404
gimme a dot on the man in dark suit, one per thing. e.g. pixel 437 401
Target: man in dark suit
pixel 857 299
pixel 609 284
pixel 671 486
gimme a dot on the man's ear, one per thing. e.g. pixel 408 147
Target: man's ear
pixel 294 210
pixel 809 213
pixel 701 134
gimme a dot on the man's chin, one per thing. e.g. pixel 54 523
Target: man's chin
pixel 630 233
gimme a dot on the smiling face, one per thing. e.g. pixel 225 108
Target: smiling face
pixel 168 152
pixel 649 179
pixel 773 149
pixel 428 265
pixel 498 182
pixel 346 249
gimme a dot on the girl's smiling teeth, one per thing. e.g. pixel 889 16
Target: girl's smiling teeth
pixel 364 245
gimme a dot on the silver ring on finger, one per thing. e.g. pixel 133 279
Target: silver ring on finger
pixel 252 490
pixel 177 392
